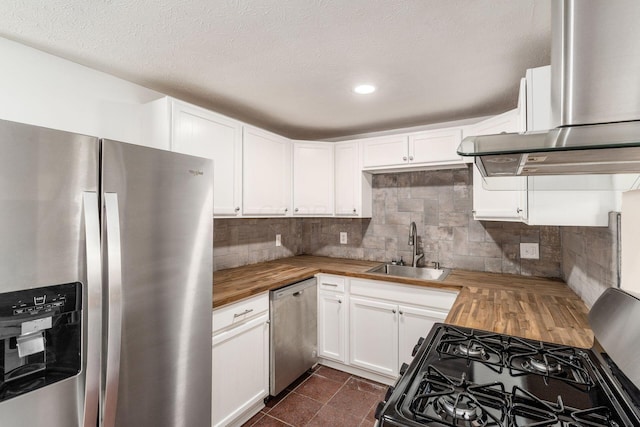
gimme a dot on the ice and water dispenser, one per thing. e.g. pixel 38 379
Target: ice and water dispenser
pixel 40 337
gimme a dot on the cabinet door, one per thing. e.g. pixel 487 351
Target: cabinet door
pixel 240 363
pixel 199 132
pixel 373 336
pixel 435 147
pixel 312 178
pixel 266 173
pixel 504 198
pixel 348 178
pixel 332 326
pixel 386 151
pixel 414 323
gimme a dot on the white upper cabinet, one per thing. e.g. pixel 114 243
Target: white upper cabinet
pixel 312 178
pixel 385 151
pixel 199 132
pixel 187 129
pixel 352 186
pixel 433 149
pixel 436 147
pixel 266 173
pixel 504 198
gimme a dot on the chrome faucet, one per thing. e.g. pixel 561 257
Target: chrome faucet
pixel 413 241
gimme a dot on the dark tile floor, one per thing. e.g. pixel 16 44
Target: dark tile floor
pixel 324 397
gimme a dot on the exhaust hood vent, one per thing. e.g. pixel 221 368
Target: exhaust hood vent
pixel 594 149
pixel 595 99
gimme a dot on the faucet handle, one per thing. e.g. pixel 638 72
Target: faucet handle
pixel 436 265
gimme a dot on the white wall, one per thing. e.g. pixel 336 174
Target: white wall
pixel 44 90
pixel 630 228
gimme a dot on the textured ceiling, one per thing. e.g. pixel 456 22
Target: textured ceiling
pixel 289 65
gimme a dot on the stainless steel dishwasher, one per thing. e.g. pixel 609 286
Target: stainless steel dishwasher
pixel 293 336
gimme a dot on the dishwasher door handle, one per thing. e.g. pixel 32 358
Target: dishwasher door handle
pixel 297 294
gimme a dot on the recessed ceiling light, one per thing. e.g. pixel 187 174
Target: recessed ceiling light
pixel 364 89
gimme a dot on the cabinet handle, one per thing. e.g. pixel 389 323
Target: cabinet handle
pixel 296 210
pixel 339 301
pixel 330 284
pixel 401 313
pixel 393 311
pixel 247 311
pixel 354 210
pixel 237 209
pixel 286 210
pixel 404 158
pixel 410 157
pixel 518 210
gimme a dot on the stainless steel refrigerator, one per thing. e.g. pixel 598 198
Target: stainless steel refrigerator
pixel 105 282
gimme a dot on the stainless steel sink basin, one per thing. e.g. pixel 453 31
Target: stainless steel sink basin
pixel 436 274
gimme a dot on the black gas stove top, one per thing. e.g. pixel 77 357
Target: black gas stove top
pixel 469 378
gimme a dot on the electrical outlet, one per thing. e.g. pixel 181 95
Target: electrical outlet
pixel 529 251
pixel 278 240
pixel 343 237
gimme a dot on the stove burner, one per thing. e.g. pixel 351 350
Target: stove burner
pixel 460 409
pixel 473 350
pixel 541 365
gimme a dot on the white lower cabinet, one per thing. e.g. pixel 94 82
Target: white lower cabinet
pixel 383 334
pixel 373 335
pixel 373 328
pixel 332 331
pixel 240 361
pixel 413 324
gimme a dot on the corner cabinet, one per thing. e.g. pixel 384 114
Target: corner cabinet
pixel 192 130
pixel 313 178
pixel 353 196
pixel 433 149
pixel 240 360
pixel 266 178
pixel 503 198
pixel 202 133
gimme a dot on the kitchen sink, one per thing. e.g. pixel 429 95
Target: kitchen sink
pixel 437 274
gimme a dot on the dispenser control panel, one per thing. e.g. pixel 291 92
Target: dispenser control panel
pixel 34 302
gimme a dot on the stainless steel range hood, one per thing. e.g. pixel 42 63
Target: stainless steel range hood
pixel 595 99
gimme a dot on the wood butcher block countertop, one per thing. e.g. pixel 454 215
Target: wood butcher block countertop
pixel 529 307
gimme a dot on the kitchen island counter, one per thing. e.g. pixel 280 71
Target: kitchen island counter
pixel 530 307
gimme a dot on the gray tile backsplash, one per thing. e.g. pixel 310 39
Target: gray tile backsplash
pixel 590 258
pixel 440 202
pixel 238 242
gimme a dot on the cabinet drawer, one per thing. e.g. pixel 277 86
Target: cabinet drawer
pixel 331 283
pixel 240 311
pixel 415 295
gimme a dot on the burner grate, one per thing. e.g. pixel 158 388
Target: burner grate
pixel 458 403
pixel 550 361
pixel 473 346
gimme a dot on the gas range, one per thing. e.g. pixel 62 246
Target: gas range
pixel 462 377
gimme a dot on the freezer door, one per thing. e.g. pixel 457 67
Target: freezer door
pixel 158 242
pixel 48 184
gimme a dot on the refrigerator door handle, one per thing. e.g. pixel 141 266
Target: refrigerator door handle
pixel 114 333
pixel 93 290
